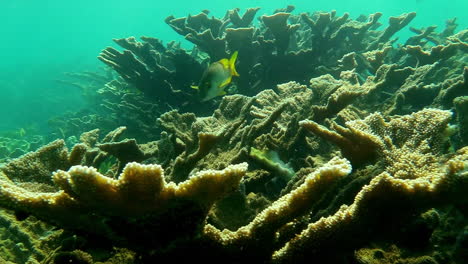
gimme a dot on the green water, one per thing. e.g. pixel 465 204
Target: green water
pixel 332 115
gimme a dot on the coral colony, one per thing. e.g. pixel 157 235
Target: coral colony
pixel 335 144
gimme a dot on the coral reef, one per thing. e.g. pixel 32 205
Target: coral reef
pixel 111 104
pixel 309 44
pixel 409 161
pixel 16 142
pixel 336 145
pixel 13 147
pixel 163 74
pixel 27 241
pixel 140 192
pixel 154 78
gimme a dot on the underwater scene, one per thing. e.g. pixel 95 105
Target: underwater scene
pixel 234 132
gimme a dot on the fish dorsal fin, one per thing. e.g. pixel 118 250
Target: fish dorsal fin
pixel 232 64
pixel 225 63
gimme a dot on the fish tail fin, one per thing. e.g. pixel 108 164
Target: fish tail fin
pixel 232 64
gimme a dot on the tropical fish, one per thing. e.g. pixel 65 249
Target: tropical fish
pixel 216 78
pixel 21 132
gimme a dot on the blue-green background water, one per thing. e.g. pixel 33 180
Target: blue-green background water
pixel 40 40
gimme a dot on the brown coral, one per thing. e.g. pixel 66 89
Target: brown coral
pixel 86 196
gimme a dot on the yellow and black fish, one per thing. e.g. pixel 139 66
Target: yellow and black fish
pixel 216 78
